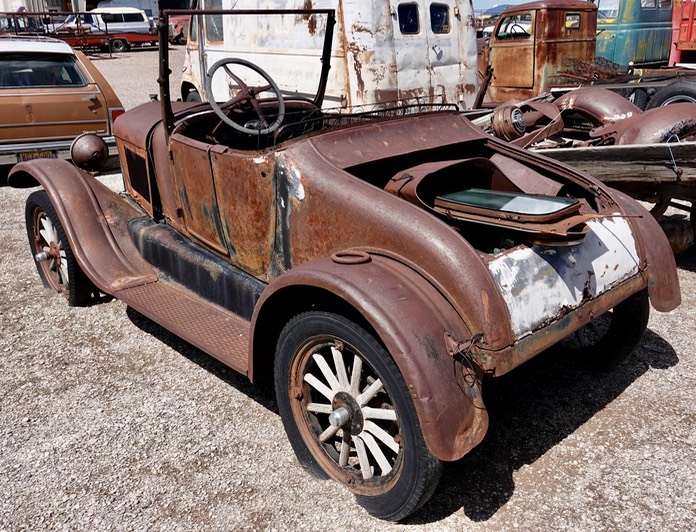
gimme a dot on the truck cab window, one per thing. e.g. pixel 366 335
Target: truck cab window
pixel 439 18
pixel 408 19
pixel 515 27
pixel 607 9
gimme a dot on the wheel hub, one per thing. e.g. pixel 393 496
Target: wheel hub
pixel 346 413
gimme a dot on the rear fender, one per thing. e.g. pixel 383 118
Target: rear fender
pixel 408 316
pixel 654 248
pixel 95 221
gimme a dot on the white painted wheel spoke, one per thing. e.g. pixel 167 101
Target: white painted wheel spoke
pixel 319 408
pixel 372 445
pixel 326 371
pixel 382 435
pixel 63 273
pixel 319 386
pixel 345 451
pixel 379 413
pixel 340 369
pixel 355 376
pixel 365 466
pixel 368 394
pixel 330 432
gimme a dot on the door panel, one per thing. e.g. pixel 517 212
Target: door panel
pixel 194 182
pixel 512 52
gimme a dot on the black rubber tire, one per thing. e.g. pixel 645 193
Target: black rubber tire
pixel 611 338
pixel 679 91
pixel 415 471
pixel 77 289
pixel 639 98
pixel 193 96
pixel 118 46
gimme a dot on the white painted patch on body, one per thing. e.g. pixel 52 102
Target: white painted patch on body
pixel 537 282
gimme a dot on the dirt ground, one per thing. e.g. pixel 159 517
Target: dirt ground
pixel 108 422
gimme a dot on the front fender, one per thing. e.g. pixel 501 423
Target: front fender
pixel 411 319
pixel 94 219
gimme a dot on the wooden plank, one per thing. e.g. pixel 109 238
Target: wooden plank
pixel 643 163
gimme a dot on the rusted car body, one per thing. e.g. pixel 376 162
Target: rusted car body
pixel 50 94
pixel 378 263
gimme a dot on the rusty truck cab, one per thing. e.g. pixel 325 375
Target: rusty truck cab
pixel 532 42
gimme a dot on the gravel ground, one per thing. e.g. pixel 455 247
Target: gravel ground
pixel 108 422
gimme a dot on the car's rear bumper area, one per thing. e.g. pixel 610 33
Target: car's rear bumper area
pixel 58 149
pixel 500 362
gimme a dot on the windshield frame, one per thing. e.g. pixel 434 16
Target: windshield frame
pixel 165 71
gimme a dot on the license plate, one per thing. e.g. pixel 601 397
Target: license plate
pixel 38 154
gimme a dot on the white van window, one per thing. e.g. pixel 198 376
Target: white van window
pixel 439 18
pixel 408 19
pixel 213 23
pixel 133 17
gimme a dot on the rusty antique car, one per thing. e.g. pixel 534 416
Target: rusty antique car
pixel 378 263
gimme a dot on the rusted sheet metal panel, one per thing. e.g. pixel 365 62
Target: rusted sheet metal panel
pixel 194 182
pixel 372 61
pixel 246 198
pixel 599 105
pixel 541 281
pixel 379 220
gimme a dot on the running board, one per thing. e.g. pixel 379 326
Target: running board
pixel 209 327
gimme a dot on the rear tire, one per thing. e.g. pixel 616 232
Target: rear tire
pixel 349 415
pixel 610 338
pixel 118 46
pixel 58 269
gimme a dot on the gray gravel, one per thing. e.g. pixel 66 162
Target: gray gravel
pixel 108 422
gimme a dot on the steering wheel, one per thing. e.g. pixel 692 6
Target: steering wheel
pixel 245 94
pixel 516 29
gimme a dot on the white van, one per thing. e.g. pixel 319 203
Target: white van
pixel 111 20
pixel 383 50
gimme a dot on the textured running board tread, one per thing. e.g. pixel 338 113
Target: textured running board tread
pixel 209 327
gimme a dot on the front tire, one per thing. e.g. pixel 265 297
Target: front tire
pixel 54 259
pixel 349 415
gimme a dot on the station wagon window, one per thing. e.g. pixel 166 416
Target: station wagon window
pixel 664 4
pixel 517 26
pixel 648 4
pixel 439 18
pixel 608 9
pixel 408 19
pixel 40 70
pixel 213 23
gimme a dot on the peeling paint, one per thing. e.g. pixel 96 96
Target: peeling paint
pixel 538 282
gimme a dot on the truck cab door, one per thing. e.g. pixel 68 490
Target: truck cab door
pixel 452 54
pixel 411 48
pixel 435 51
pixel 512 52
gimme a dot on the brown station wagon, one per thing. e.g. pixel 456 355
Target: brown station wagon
pixel 378 263
pixel 49 94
